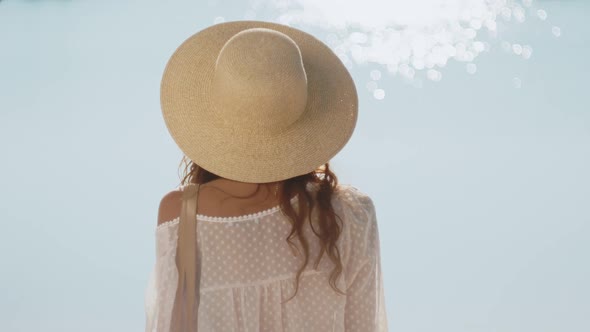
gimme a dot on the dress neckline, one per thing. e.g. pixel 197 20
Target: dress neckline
pixel 244 217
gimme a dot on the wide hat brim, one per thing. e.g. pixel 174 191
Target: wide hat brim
pixel 319 134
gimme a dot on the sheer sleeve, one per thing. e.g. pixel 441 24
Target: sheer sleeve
pixel 151 302
pixel 365 302
pixel 163 280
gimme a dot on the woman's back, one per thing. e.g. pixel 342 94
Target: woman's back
pixel 263 103
pixel 248 269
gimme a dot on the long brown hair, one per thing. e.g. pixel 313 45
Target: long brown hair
pixel 329 228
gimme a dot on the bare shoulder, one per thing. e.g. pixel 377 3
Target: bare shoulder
pixel 170 206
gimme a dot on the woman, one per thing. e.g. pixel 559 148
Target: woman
pixel 260 236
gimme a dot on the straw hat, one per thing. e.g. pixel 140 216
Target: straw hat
pixel 258 102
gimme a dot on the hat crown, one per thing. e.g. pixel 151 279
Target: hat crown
pixel 259 83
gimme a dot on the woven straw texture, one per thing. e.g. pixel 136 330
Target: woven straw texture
pixel 262 108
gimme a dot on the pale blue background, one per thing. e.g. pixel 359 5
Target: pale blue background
pixel 482 190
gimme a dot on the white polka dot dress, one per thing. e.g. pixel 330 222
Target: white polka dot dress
pixel 248 269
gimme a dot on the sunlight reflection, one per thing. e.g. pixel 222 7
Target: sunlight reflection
pixel 411 39
pixel 379 94
pixel 517 82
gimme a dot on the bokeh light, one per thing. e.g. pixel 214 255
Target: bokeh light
pixel 379 94
pixel 411 39
pixel 372 86
pixel 517 83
